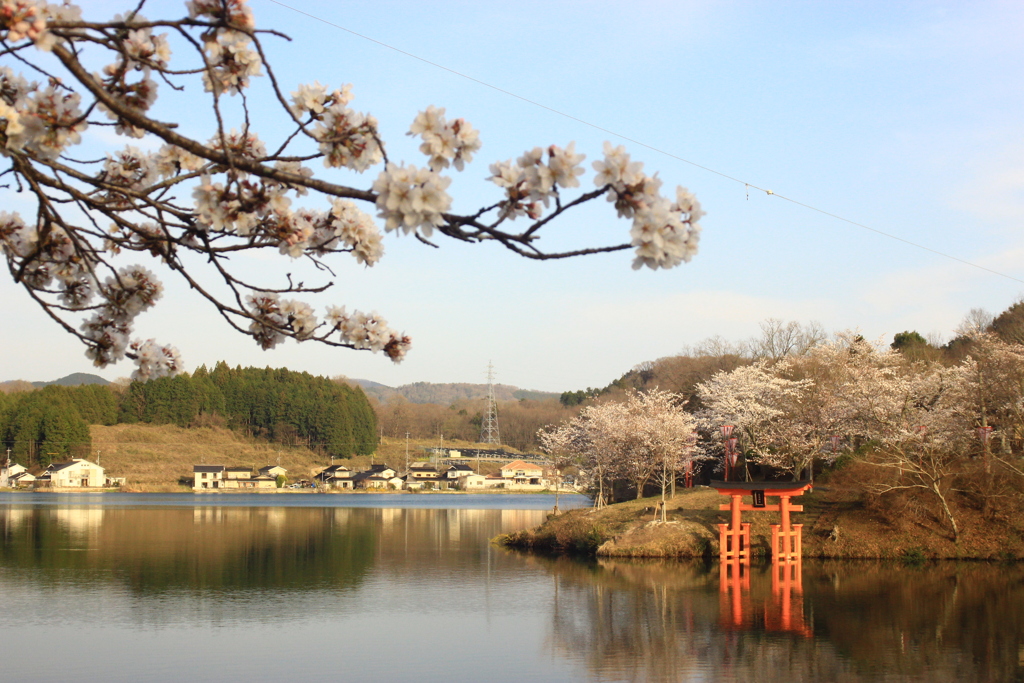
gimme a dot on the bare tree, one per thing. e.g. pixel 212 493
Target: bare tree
pixel 779 339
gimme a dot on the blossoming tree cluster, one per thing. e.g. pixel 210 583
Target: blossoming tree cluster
pixel 647 436
pixel 233 191
pixel 933 427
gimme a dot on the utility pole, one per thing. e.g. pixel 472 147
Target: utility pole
pixel 407 452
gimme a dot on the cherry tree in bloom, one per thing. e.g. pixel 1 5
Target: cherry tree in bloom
pixel 752 398
pixel 647 436
pixel 191 203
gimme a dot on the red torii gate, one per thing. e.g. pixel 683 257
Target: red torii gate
pixel 734 538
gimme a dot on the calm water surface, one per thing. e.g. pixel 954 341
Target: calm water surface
pixel 407 588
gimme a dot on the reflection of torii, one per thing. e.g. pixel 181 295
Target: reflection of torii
pixel 785 611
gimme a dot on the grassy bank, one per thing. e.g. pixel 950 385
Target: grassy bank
pixel 156 457
pixel 840 521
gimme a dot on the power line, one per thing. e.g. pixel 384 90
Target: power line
pixel 645 145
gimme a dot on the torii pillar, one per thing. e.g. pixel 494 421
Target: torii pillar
pixel 734 538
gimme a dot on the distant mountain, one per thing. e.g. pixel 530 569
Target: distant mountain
pixel 74 380
pixel 446 394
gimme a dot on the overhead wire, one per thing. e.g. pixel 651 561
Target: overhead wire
pixel 634 141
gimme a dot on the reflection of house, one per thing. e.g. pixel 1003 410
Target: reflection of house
pixel 75 473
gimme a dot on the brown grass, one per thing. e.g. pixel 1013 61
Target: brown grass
pixel 156 457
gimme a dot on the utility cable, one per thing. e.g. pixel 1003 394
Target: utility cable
pixel 645 145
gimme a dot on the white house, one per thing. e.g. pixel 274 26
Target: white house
pixel 522 476
pixel 75 473
pixel 471 482
pixel 207 476
pixel 8 472
pixel 273 471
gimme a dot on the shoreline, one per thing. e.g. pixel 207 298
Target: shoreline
pixel 837 526
pixel 230 492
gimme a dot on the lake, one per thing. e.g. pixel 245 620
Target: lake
pixel 306 587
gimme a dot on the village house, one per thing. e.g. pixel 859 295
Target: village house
pixel 21 479
pixel 472 482
pixel 219 477
pixel 260 481
pixel 236 473
pixel 15 475
pixel 207 476
pixel 273 471
pixel 458 470
pixel 336 476
pixel 377 477
pixel 520 475
pixel 75 473
pixel 8 471
pixel 422 475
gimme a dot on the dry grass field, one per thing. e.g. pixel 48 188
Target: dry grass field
pixel 157 457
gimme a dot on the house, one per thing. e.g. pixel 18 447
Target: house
pixel 458 470
pixel 377 477
pixel 21 479
pixel 207 477
pixel 235 473
pixel 422 470
pixel 260 481
pixel 336 476
pixel 521 475
pixel 472 482
pixel 8 472
pixel 273 471
pixel 75 473
pixel 422 475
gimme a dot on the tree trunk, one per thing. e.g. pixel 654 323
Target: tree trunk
pixel 949 513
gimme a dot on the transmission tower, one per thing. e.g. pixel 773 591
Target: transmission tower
pixel 489 427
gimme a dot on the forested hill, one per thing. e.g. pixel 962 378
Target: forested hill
pixel 446 394
pixel 293 408
pixel 74 379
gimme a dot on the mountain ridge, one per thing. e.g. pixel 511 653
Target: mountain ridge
pixel 446 393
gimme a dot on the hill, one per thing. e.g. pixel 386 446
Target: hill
pixel 73 380
pixel 447 393
pixel 156 457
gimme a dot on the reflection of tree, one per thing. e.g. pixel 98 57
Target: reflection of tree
pixel 945 622
pixel 158 550
pixel 661 621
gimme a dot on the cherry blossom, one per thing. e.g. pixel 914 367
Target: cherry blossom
pixel 411 198
pixel 193 202
pixel 445 141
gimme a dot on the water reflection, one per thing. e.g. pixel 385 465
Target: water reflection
pixel 427 581
pixel 843 621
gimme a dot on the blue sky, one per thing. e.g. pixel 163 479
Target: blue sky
pixel 906 117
